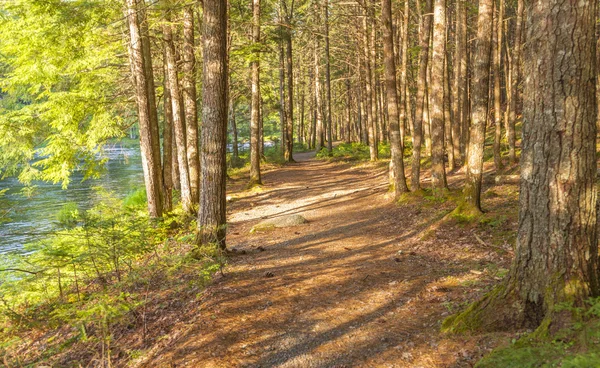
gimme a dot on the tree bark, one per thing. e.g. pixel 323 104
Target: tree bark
pixel 458 84
pixel 370 109
pixel 556 257
pixel 318 100
pixel 188 84
pixel 424 35
pixel 479 106
pixel 212 214
pixel 255 175
pixel 328 77
pixel 167 169
pixel 498 23
pixel 144 99
pixel 516 78
pixel 438 169
pixel 404 106
pixel 397 177
pixel 178 123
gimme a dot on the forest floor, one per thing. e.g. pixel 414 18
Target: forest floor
pixel 365 283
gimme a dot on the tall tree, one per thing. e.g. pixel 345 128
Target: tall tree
pixel 497 50
pixel 178 114
pixel 479 106
pixel 167 163
pixel 143 89
pixel 188 84
pixel 459 84
pixel 438 169
pixel 556 257
pixel 289 70
pixel 516 78
pixel 327 76
pixel 397 177
pixel 212 213
pixel 424 36
pixel 255 177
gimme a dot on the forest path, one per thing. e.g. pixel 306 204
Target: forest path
pixel 357 286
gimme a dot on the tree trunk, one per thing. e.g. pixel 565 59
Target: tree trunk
pixel 328 77
pixel 497 91
pixel 462 84
pixel 144 90
pixel 556 257
pixel 438 169
pixel 212 214
pixel 516 78
pixel 458 84
pixel 370 109
pixel 424 35
pixel 479 106
pixel 178 123
pixel 397 177
pixel 255 176
pixel 282 112
pixel 167 144
pixel 404 105
pixel 188 84
pixel 289 114
pixel 235 156
pixel 318 100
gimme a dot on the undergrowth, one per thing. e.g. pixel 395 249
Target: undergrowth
pixel 92 277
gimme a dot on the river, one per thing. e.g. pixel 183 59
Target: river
pixel 30 218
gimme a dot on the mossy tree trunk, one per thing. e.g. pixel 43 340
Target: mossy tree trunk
pixel 556 258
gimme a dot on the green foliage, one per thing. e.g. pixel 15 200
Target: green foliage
pixel 68 215
pixel 354 152
pixel 136 200
pixel 61 95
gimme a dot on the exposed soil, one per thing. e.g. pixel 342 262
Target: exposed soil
pixel 365 283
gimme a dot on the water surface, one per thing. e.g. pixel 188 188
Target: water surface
pixel 32 218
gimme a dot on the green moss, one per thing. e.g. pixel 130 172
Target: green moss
pixel 472 318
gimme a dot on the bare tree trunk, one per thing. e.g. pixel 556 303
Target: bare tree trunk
pixel 212 214
pixel 516 78
pixel 462 80
pixel 438 169
pixel 397 176
pixel 289 115
pixel 167 144
pixel 235 156
pixel 404 105
pixel 424 35
pixel 255 176
pixel 282 112
pixel 370 109
pixel 556 256
pixel 188 84
pixel 178 123
pixel 497 91
pixel 372 55
pixel 318 100
pixel 328 77
pixel 479 106
pixel 145 104
pixel 458 85
pixel 348 132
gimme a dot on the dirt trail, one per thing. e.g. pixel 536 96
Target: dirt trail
pixel 360 285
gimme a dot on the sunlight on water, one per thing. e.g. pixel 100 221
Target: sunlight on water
pixel 32 218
